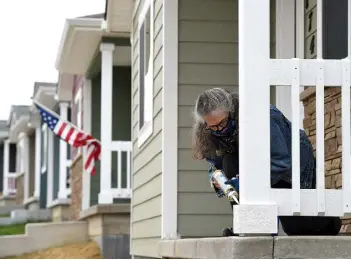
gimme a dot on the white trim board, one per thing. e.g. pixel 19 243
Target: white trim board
pixel 169 208
pixel 147 129
pixel 87 102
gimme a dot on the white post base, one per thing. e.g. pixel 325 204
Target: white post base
pixel 105 197
pixel 255 219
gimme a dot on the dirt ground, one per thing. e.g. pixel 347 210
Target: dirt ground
pixel 89 250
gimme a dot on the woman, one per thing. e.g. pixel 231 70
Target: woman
pixel 216 139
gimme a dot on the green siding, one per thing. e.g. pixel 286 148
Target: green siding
pixel 213 29
pixel 56 178
pixel 121 118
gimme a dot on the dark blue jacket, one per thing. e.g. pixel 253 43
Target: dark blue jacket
pixel 281 168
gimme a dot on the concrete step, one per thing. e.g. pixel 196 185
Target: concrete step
pixel 8 208
pixel 258 247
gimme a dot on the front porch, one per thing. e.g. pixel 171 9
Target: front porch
pixel 53 164
pixel 99 89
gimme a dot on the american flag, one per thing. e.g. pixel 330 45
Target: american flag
pixel 72 135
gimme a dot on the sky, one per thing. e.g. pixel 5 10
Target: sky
pixel 30 33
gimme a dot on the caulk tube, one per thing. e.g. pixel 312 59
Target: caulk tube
pixel 219 177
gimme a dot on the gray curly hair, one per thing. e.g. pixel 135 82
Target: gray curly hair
pixel 206 103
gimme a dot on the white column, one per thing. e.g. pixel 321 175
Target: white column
pixel 254 163
pixel 105 196
pixel 50 169
pixel 285 48
pixel 62 194
pixel 6 166
pixel 37 161
pixel 87 128
pixel 24 161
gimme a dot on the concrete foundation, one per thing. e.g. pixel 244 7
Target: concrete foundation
pixel 258 247
pixel 32 203
pixel 61 212
pixel 8 201
pixel 109 226
pixel 7 209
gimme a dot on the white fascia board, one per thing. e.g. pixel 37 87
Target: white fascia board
pixel 70 24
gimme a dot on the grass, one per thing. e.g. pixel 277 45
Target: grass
pixel 15 229
pixel 5 215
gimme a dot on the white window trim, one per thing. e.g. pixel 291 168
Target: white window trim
pixel 146 131
pixel 44 134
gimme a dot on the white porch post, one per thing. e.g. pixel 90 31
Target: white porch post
pixel 254 149
pixel 87 128
pixel 24 161
pixel 50 167
pixel 6 166
pixel 105 196
pixel 62 194
pixel 37 160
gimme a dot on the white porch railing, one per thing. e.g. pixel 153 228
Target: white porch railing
pixel 11 184
pixel 256 73
pixel 124 151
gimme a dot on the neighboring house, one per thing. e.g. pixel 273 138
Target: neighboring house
pixel 53 153
pixel 94 62
pixel 23 136
pixel 6 187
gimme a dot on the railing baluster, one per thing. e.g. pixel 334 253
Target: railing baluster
pixel 128 168
pixel 320 179
pixel 295 129
pixel 346 150
pixel 119 171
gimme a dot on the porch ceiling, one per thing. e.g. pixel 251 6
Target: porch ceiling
pixel 21 125
pixel 80 42
pixel 46 96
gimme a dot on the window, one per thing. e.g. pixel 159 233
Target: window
pixel 146 27
pixel 44 148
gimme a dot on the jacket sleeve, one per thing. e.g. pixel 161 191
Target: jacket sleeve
pixel 214 165
pixel 280 157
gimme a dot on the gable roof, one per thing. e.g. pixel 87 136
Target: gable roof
pixel 97 16
pixel 3 126
pixel 18 110
pixel 37 85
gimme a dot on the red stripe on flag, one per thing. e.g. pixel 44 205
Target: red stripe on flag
pixel 62 128
pixel 68 136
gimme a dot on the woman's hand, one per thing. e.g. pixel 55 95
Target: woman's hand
pixel 234 182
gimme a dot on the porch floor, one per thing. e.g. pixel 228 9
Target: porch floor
pixel 258 247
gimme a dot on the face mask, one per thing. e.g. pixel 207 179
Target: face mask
pixel 226 131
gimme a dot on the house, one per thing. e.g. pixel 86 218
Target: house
pixel 21 138
pixel 52 165
pixel 94 64
pixel 181 48
pixel 7 185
